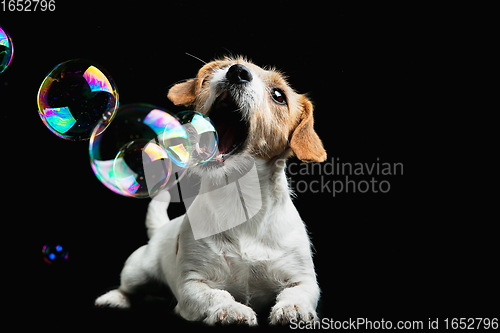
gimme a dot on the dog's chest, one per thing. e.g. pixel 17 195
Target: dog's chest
pixel 246 260
pixel 251 275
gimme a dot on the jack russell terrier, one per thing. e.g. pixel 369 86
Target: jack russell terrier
pixel 220 269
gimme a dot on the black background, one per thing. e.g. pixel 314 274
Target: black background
pixel 396 255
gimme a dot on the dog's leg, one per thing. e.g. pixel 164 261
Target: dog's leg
pixel 133 276
pixel 198 301
pixel 296 303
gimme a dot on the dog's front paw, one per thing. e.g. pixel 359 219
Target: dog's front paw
pixel 232 313
pixel 113 298
pixel 283 313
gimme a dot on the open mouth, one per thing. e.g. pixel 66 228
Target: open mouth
pixel 231 128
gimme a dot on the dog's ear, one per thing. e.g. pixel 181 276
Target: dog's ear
pixel 305 143
pixel 184 93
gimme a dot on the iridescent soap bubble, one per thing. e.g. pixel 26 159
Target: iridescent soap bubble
pixel 74 96
pixel 129 157
pixel 175 141
pixel 54 253
pixel 139 161
pixel 202 136
pixel 6 49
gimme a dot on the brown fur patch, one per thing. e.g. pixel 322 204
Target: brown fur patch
pixel 305 143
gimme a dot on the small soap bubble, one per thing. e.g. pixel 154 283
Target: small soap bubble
pixel 175 141
pixel 202 136
pixel 139 161
pixel 74 96
pixel 6 49
pixel 54 253
pixel 129 157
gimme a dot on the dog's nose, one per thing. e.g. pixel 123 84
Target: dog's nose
pixel 239 74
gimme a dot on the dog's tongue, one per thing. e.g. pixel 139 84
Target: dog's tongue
pixel 227 136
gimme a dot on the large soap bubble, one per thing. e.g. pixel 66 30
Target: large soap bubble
pixel 74 96
pixel 129 157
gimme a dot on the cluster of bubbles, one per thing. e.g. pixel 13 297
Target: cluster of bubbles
pixel 135 150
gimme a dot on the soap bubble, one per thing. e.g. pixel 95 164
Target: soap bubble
pixel 139 161
pixel 202 136
pixel 74 96
pixel 6 49
pixel 175 141
pixel 54 253
pixel 129 157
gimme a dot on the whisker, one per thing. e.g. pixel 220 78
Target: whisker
pixel 206 63
pixel 189 54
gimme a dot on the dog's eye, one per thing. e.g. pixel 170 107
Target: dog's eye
pixel 278 96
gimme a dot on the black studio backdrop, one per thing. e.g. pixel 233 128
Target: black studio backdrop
pixel 375 257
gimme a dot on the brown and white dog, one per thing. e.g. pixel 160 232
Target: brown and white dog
pixel 218 270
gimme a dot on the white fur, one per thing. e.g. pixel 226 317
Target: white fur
pixel 264 262
pixel 248 99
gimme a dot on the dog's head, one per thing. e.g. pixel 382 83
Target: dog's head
pixel 255 112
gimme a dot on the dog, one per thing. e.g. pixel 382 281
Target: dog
pixel 220 271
